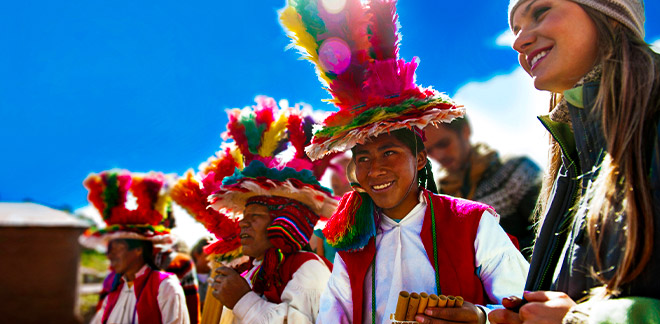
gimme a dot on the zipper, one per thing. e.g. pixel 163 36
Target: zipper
pixel 572 175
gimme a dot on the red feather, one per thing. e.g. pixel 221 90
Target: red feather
pixel 265 111
pixel 237 131
pixel 96 186
pixel 384 37
pixel 297 135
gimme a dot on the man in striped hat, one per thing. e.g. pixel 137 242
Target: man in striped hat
pixel 278 200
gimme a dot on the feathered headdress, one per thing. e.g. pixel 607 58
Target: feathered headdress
pixel 355 49
pixel 261 132
pixel 287 186
pixel 191 192
pixel 109 193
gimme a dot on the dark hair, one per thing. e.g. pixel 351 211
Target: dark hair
pixel 198 248
pixel 415 144
pixel 457 125
pixel 147 250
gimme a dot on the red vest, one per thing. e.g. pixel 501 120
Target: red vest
pixel 456 223
pixel 146 292
pixel 290 265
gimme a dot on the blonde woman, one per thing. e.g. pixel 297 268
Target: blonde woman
pixel 598 239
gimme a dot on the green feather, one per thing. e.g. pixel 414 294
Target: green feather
pixel 110 194
pixel 252 132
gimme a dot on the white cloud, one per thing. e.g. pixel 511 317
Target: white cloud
pixel 505 39
pixel 503 113
pixel 656 45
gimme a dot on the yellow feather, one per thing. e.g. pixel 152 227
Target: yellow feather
pixel 238 157
pixel 302 40
pixel 161 204
pixel 272 137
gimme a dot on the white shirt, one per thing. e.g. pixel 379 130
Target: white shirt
pixel 171 301
pixel 300 298
pixel 403 264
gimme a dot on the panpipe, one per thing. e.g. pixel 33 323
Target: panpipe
pixel 411 304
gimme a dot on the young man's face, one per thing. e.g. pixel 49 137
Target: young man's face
pixel 122 258
pixel 387 170
pixel 254 238
pixel 449 148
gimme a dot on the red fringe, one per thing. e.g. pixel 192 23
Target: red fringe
pixel 344 217
pixel 297 135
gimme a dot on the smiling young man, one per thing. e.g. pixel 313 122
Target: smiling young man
pixel 423 243
pixel 138 292
pixel 393 232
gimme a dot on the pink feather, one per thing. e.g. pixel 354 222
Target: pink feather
pixel 390 77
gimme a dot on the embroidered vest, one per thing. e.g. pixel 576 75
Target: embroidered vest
pixel 457 221
pixel 290 265
pixel 146 294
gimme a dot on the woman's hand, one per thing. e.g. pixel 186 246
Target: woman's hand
pixel 508 315
pixel 545 307
pixel 468 313
pixel 229 287
pixel 541 307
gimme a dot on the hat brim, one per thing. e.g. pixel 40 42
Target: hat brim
pixel 346 140
pixel 232 198
pixel 94 239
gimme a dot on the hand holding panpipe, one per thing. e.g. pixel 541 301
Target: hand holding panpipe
pixel 411 304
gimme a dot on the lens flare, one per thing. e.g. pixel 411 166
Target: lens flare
pixel 334 55
pixel 333 6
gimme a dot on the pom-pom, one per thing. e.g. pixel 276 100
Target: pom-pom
pixel 353 224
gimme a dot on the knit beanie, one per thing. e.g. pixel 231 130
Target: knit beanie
pixel 291 227
pixel 628 12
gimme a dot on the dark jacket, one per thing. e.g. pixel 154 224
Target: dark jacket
pixel 563 258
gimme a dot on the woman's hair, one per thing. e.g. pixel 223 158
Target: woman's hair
pixel 627 103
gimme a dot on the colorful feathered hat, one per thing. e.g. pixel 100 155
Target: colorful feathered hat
pixel 355 48
pixel 263 133
pixel 279 176
pixel 110 191
pixel 191 192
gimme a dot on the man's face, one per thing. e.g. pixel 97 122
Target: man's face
pixel 201 263
pixel 387 170
pixel 122 258
pixel 449 148
pixel 254 238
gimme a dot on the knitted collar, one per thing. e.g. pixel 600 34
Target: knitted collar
pixel 560 112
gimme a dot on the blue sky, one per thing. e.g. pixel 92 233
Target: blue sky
pixel 91 85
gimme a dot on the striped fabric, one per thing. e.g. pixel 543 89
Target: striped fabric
pixel 292 225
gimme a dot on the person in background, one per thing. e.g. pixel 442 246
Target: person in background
pixel 597 255
pixel 477 172
pixel 202 265
pixel 139 291
pixel 169 259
